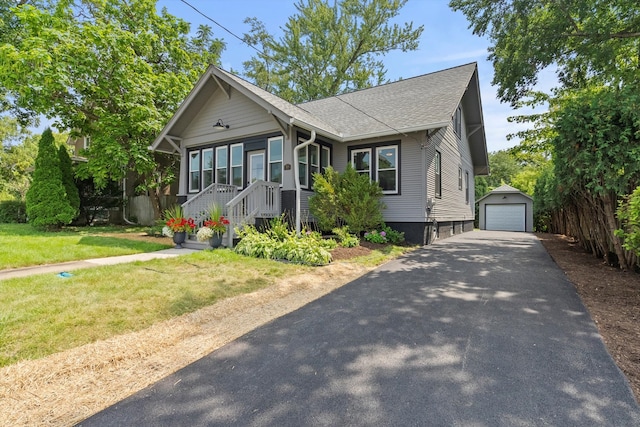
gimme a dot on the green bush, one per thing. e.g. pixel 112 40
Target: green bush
pixel 47 202
pixel 385 235
pixel 629 215
pixel 66 169
pixel 348 199
pixel 13 211
pixel 347 240
pixel 279 242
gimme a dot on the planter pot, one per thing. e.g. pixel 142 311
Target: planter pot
pixel 178 238
pixel 215 241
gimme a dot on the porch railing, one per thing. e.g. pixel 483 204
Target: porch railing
pixel 261 199
pixel 197 206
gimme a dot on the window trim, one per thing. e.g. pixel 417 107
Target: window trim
pixel 355 151
pixel 224 156
pixel 203 171
pixel 232 165
pixel 373 164
pixel 437 159
pixel 397 164
pixel 459 178
pixel 275 139
pixel 191 171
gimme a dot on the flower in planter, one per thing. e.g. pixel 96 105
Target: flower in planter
pixel 216 225
pixel 176 222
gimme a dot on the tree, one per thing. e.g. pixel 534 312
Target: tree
pixel 327 50
pixel 586 39
pixel 66 170
pixel 19 149
pixel 47 202
pixel 113 70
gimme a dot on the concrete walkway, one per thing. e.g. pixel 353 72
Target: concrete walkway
pixel 88 263
pixel 479 330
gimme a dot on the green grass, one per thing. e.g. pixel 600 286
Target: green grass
pixel 45 314
pixel 26 246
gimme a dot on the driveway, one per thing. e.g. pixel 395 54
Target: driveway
pixel 481 329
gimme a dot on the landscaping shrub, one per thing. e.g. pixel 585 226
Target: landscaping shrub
pixel 279 242
pixel 13 211
pixel 385 235
pixel 348 199
pixel 346 239
pixel 47 202
pixel 66 169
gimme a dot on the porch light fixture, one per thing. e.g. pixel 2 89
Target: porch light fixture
pixel 220 125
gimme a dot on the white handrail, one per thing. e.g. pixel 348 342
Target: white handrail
pixel 260 199
pixel 197 206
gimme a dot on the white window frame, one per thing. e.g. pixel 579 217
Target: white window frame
pixel 353 163
pixel 303 177
pixel 378 169
pixel 234 164
pixel 86 142
pixel 204 170
pixel 324 165
pixel 271 161
pixel 459 178
pixel 222 154
pixel 194 160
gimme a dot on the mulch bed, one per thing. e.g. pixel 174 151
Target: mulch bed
pixel 612 297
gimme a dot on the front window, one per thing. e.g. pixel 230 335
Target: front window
pixel 325 158
pixel 361 161
pixel 459 178
pixel 194 171
pixel 236 164
pixel 302 168
pixel 275 160
pixel 221 165
pixel 207 167
pixel 387 169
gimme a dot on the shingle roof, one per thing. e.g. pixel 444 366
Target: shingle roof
pixel 422 102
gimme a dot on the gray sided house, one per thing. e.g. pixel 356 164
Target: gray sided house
pixel 422 139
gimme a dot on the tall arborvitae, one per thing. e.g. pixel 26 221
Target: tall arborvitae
pixel 66 168
pixel 47 202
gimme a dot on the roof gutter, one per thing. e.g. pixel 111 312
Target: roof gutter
pixel 296 173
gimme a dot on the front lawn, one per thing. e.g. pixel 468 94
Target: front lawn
pixel 25 246
pixel 45 314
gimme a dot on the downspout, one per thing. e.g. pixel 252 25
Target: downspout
pixel 124 204
pixel 296 173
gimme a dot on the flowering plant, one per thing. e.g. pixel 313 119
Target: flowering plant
pixel 176 222
pixel 213 226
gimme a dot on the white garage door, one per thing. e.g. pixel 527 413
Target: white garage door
pixel 505 217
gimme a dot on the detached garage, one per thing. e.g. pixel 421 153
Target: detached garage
pixel 506 209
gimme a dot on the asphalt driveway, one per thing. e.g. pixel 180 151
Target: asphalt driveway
pixel 481 329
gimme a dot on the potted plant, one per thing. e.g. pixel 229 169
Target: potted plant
pixel 177 225
pixel 214 227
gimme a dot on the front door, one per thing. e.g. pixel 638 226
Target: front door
pixel 256 166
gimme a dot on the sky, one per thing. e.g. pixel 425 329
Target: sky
pixel 446 42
